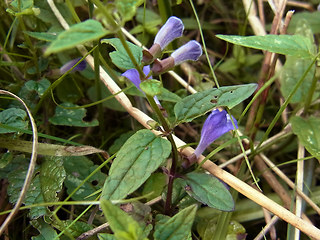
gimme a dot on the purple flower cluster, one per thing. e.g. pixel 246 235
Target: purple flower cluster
pixel 171 30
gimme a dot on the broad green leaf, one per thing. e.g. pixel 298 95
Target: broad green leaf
pixel 14 117
pixel 46 231
pixel 209 190
pixel 154 184
pixel 71 117
pixel 120 58
pixel 178 227
pixel 5 159
pixel 38 86
pixel 123 225
pixel 77 34
pixel 168 96
pixel 127 8
pixel 313 19
pixel 78 169
pixel 140 156
pixel 200 103
pixel 43 36
pixel 52 175
pixel 151 87
pixel 307 131
pixel 296 45
pixel 294 68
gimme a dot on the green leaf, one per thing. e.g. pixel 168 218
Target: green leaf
pixel 296 45
pixel 168 96
pixel 16 179
pixel 120 58
pixel 178 227
pixel 307 131
pixel 151 87
pixel 106 236
pixel 154 184
pixel 127 8
pixel 71 117
pixel 14 117
pixel 52 175
pixel 294 68
pixel 200 103
pixel 123 225
pixel 46 231
pixel 77 34
pixel 313 19
pixel 43 36
pixel 209 190
pixel 78 169
pixel 140 156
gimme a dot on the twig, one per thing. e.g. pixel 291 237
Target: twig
pixel 32 164
pixel 299 179
pixel 263 232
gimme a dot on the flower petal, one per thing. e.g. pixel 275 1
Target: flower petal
pixel 80 67
pixel 171 30
pixel 134 77
pixel 190 51
pixel 217 124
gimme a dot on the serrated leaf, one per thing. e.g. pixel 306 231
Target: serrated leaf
pixel 178 227
pixel 294 68
pixel 46 231
pixel 140 156
pixel 43 36
pixel 208 190
pixel 78 169
pixel 292 45
pixel 16 179
pixel 77 34
pixel 123 225
pixel 120 58
pixel 200 103
pixel 14 117
pixel 71 117
pixel 307 131
pixel 52 175
pixel 151 87
pixel 127 8
pixel 75 229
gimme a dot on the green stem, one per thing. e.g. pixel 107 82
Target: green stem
pixel 116 28
pixel 204 44
pixel 172 171
pixel 164 7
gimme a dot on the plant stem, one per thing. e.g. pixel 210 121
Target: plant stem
pixel 173 167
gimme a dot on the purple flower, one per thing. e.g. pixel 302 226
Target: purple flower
pixel 134 77
pixel 217 124
pixel 171 30
pixel 80 67
pixel 190 51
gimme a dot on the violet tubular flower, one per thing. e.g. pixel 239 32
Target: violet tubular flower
pixel 189 51
pixel 134 77
pixel 171 30
pixel 80 67
pixel 217 124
